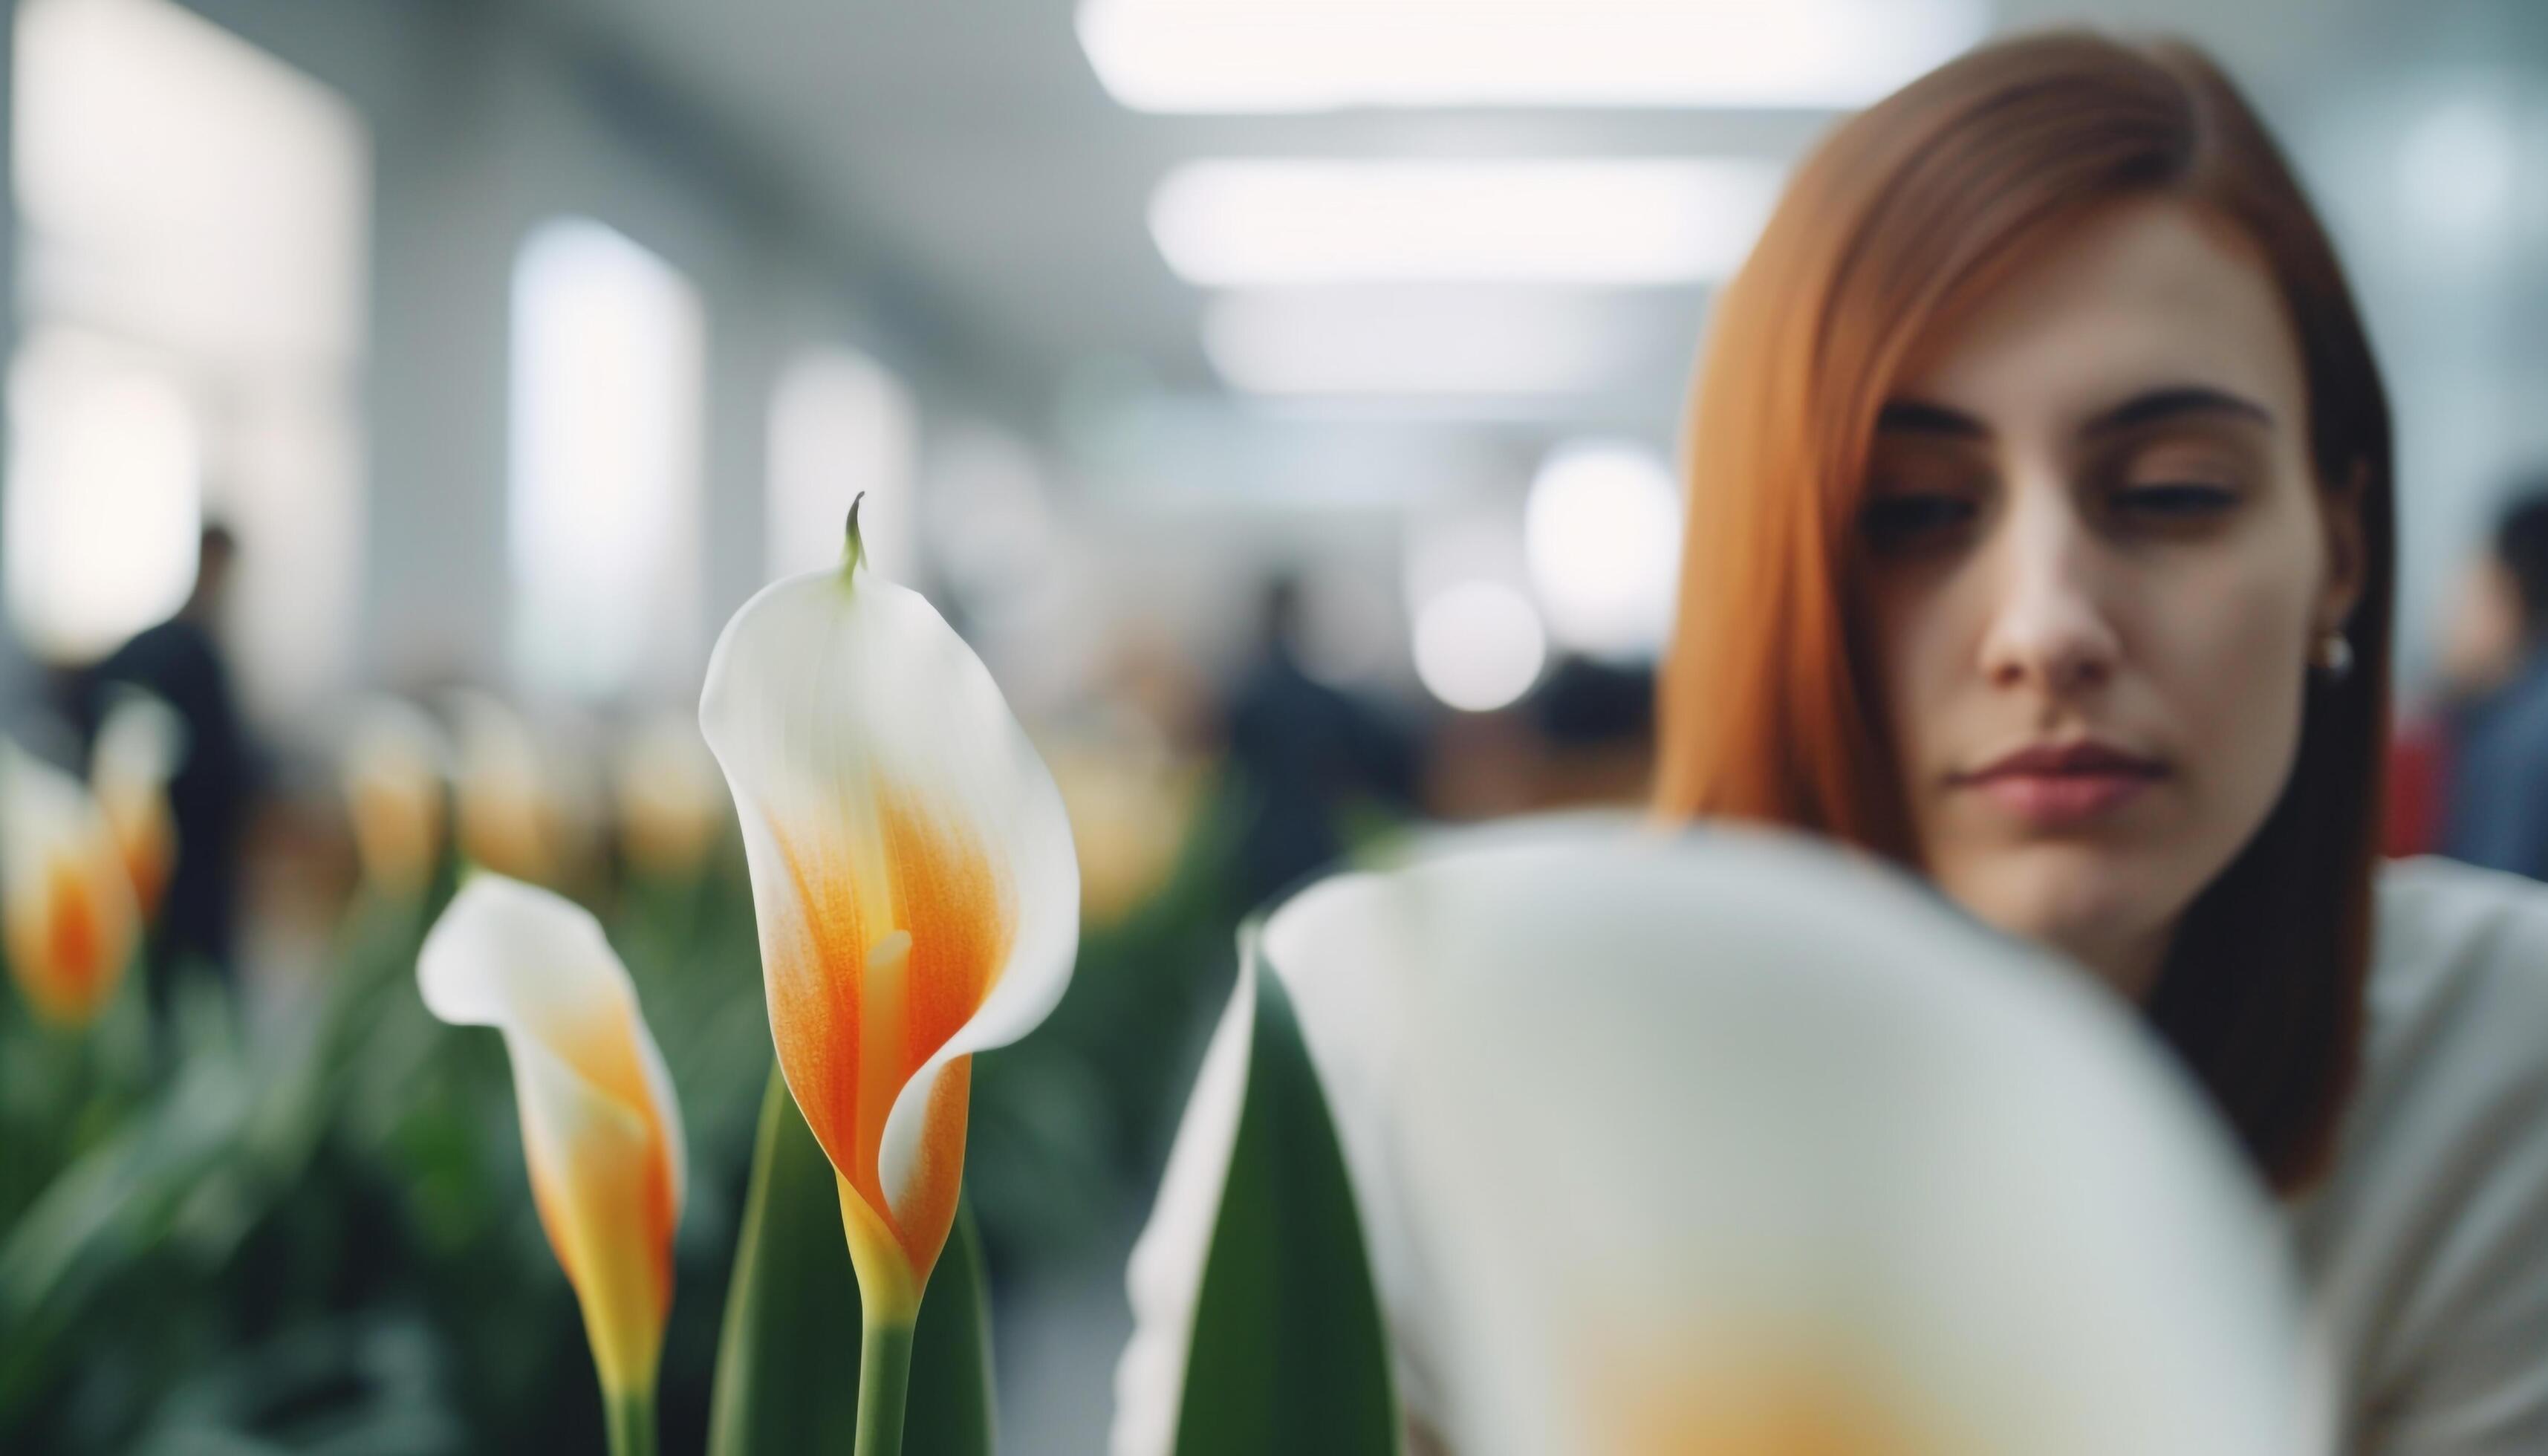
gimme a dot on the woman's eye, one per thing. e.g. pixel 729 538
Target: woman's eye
pixel 1908 519
pixel 2175 500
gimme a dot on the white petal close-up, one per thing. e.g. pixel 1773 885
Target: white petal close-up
pixel 1730 1143
pixel 1728 1140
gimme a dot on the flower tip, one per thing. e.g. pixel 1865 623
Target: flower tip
pixel 855 550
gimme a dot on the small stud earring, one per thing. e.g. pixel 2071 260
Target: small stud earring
pixel 2336 657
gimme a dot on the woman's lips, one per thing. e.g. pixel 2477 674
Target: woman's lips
pixel 2059 785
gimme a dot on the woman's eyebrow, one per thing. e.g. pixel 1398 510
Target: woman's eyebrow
pixel 1919 417
pixel 2169 403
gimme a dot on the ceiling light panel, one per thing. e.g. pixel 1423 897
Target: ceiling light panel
pixel 1298 55
pixel 1411 342
pixel 1630 222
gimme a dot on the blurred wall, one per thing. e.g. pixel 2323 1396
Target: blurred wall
pixel 485 119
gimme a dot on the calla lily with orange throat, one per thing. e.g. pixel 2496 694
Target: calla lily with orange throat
pixel 141 745
pixel 67 901
pixel 599 1126
pixel 918 900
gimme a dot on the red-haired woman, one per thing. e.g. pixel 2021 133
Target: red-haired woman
pixel 2040 540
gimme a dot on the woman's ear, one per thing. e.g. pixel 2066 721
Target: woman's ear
pixel 2345 553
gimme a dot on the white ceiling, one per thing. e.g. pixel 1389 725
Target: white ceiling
pixel 969 145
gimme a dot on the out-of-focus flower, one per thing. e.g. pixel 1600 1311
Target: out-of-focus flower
pixel 1727 1145
pixel 670 808
pixel 72 918
pixel 1130 810
pixel 141 745
pixel 395 768
pixel 914 881
pixel 1814 1164
pixel 599 1127
pixel 510 817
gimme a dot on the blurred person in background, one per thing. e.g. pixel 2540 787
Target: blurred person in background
pixel 2040 541
pixel 1306 756
pixel 181 661
pixel 2493 720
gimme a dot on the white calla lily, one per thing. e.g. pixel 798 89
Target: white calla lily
pixel 601 1129
pixel 1726 1143
pixel 913 876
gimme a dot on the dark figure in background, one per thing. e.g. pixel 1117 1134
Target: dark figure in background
pixel 2497 814
pixel 1304 755
pixel 180 661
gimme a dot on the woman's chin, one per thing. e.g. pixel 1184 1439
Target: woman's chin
pixel 2107 909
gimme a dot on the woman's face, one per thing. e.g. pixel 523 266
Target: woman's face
pixel 2102 565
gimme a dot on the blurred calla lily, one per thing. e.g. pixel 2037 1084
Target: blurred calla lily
pixel 1817 1165
pixel 1131 810
pixel 510 819
pixel 393 778
pixel 72 918
pixel 1729 1146
pixel 917 895
pixel 141 745
pixel 669 807
pixel 599 1127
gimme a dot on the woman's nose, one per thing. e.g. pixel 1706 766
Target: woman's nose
pixel 2049 629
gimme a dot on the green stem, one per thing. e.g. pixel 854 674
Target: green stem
pixel 631 1416
pixel 884 1381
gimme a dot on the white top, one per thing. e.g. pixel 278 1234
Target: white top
pixel 2426 1249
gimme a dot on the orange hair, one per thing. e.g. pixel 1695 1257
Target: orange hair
pixel 1770 709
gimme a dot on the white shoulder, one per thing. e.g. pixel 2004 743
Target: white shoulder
pixel 2427 1246
pixel 2448 929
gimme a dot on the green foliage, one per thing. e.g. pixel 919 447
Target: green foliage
pixel 1289 1352
pixel 318 1234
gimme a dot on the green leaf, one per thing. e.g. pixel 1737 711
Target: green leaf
pixel 787 1372
pixel 1289 1351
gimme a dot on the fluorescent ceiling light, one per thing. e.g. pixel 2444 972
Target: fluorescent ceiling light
pixel 1292 56
pixel 1426 341
pixel 1615 223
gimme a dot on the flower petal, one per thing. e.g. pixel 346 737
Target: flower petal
pixel 1726 1142
pixel 1729 1141
pixel 885 790
pixel 67 900
pixel 601 1129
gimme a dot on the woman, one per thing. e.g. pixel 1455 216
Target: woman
pixel 2040 540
